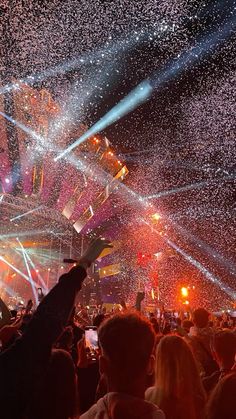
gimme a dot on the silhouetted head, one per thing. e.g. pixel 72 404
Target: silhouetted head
pixel 224 347
pixel 200 317
pixel 57 397
pixel 127 342
pixel 222 402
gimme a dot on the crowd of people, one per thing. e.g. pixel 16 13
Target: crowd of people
pixel 173 367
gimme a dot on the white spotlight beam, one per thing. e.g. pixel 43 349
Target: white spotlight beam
pixel 28 131
pixel 228 290
pixel 197 185
pixel 45 288
pixel 29 273
pixel 139 95
pixel 143 91
pixel 26 213
pixel 23 234
pixel 106 52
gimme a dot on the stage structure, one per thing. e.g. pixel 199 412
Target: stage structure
pixel 48 209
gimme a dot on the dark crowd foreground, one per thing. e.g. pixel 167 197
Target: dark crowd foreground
pixel 150 368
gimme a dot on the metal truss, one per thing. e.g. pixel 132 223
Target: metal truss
pixel 24 205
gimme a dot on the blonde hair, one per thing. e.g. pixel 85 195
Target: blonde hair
pixel 178 388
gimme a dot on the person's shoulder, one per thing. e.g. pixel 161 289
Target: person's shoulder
pixel 90 414
pixel 149 392
pixel 151 395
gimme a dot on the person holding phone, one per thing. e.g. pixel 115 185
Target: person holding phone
pixel 126 361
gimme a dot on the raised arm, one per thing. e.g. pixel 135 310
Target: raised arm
pixel 24 362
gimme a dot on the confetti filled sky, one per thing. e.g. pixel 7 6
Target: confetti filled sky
pixel 180 144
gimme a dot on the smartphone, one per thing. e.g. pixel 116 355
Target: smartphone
pixel 91 337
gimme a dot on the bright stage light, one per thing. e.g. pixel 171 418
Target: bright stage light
pixel 184 292
pixel 158 255
pixel 139 95
pixel 156 217
pixel 152 294
pixel 81 96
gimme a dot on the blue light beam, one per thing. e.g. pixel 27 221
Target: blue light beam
pixel 144 90
pixel 139 95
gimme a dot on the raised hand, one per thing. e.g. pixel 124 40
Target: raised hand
pixel 94 250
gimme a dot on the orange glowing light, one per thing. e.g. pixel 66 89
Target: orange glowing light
pixel 184 292
pixel 156 217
